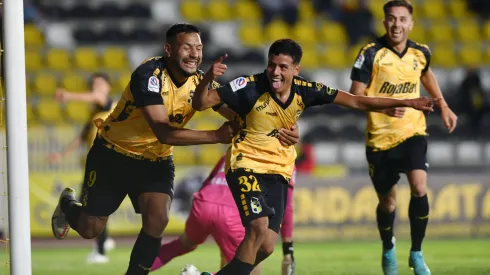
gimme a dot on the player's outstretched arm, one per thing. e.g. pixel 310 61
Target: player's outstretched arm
pixel 157 118
pixel 203 97
pixel 359 88
pixel 369 104
pixel 429 81
pixel 63 96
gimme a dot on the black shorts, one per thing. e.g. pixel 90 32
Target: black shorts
pixel 385 166
pixel 259 195
pixel 110 176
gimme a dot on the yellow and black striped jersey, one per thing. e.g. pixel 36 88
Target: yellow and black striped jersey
pixel 150 84
pixel 262 114
pixel 90 129
pixel 389 73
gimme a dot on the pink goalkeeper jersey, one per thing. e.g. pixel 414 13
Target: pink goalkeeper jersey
pixel 215 188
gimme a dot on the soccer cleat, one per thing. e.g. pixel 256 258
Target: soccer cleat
pixel 417 264
pixel 206 273
pixel 59 224
pixel 388 261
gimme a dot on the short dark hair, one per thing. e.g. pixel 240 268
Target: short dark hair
pixel 398 3
pixel 287 47
pixel 99 75
pixel 180 28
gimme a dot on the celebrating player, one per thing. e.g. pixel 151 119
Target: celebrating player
pixel 258 166
pixel 99 97
pixel 214 213
pixel 393 66
pixel 132 153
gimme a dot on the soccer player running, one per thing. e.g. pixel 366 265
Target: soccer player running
pixel 102 106
pixel 258 166
pixel 132 153
pixel 214 213
pixel 393 66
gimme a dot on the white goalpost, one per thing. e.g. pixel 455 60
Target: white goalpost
pixel 16 118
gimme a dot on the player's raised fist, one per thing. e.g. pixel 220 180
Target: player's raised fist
pixel 423 103
pixel 217 69
pixel 226 132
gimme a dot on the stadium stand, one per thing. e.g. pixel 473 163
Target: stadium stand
pixel 116 36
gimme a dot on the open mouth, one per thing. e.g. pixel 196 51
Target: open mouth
pixel 276 83
pixel 396 33
pixel 190 64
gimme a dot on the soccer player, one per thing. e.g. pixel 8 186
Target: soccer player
pixel 258 166
pixel 102 106
pixel 393 66
pixel 214 213
pixel 132 153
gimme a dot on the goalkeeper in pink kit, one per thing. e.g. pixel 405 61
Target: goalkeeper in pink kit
pixel 214 213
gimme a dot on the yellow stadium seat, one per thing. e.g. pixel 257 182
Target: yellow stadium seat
pixel 376 8
pixel 468 31
pixel 49 111
pixel 471 55
pixel 192 10
pixel 310 58
pixel 251 34
pixel 78 112
pixel 486 30
pixel 34 61
pixel 334 57
pixel 275 30
pixel 219 10
pixel 332 33
pixel 184 155
pixel 210 154
pixel 418 34
pixel 458 9
pixel 306 10
pixel 247 10
pixel 75 82
pixel 379 28
pixel 445 57
pixel 440 32
pixel 122 83
pixel 86 59
pixel 115 58
pixel 33 37
pixel 433 9
pixel 58 59
pixel 304 33
pixel 45 84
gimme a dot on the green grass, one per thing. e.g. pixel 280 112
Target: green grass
pixel 443 257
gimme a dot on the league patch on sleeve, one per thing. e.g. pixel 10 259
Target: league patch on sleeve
pixel 238 84
pixel 359 61
pixel 154 84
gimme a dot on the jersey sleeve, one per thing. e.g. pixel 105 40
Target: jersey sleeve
pixel 428 54
pixel 316 93
pixel 238 94
pixel 146 86
pixel 363 67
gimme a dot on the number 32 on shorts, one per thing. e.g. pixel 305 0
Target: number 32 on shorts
pixel 249 184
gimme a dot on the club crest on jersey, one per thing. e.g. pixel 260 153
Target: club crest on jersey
pixel 238 84
pixel 359 61
pixel 154 84
pixel 255 205
pixel 319 86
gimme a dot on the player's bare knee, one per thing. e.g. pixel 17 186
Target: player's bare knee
pixel 418 189
pixel 267 249
pixel 387 203
pixel 91 226
pixel 155 223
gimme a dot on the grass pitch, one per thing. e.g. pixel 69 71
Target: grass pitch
pixel 443 257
